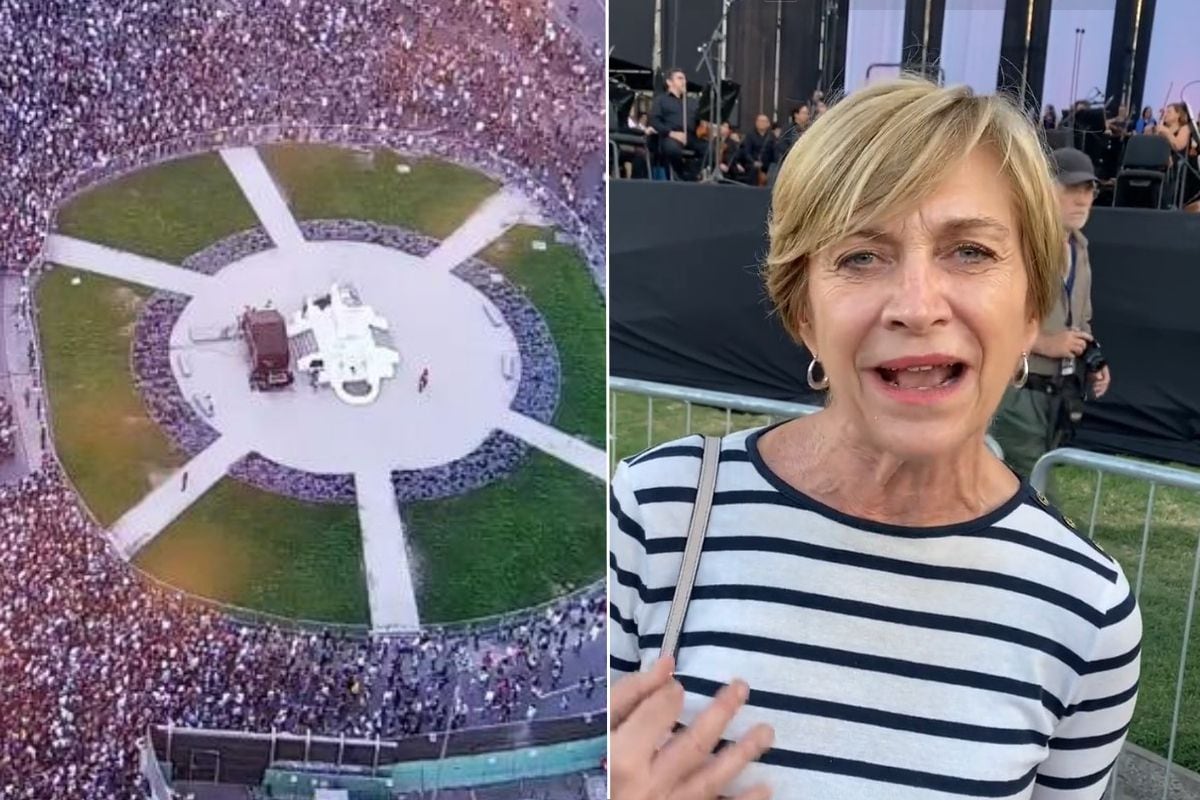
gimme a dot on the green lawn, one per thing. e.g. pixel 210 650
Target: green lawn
pixel 521 541
pixel 241 545
pixel 111 449
pixel 168 212
pixel 558 283
pixel 1166 581
pixel 322 182
pixel 528 538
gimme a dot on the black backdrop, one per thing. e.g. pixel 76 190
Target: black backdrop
pixel 687 307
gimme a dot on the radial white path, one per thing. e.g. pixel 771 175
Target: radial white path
pixel 561 445
pixel 263 194
pixel 468 395
pixel 488 223
pixel 80 254
pixel 140 524
pixel 389 581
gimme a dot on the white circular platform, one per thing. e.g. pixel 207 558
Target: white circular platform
pixel 437 321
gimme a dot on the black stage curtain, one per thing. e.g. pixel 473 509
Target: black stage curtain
pixel 687 26
pixel 687 307
pixel 799 62
pixel 751 60
pixel 631 34
pixel 914 34
pixel 1139 62
pixel 1012 50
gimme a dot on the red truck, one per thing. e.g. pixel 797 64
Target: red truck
pixel 265 332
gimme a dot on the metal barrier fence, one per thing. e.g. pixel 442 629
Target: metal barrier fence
pixel 243 757
pixel 723 401
pixel 1155 475
pixel 412 142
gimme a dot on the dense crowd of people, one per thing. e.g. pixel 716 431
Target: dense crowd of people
pixel 8 429
pixel 84 86
pixel 94 652
pixel 91 651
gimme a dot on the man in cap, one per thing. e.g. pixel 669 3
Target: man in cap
pixel 1065 360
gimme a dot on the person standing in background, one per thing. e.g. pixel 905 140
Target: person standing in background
pixel 1042 413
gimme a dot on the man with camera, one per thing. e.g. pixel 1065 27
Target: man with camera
pixel 1066 360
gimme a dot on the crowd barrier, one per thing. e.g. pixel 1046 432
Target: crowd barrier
pixel 242 758
pixel 410 142
pixel 1154 475
pixel 727 402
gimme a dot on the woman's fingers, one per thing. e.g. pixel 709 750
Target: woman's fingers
pixel 630 691
pixel 693 745
pixel 643 731
pixel 716 775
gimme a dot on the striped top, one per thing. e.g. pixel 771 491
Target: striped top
pixel 994 658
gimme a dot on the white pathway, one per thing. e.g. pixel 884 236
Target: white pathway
pixel 563 446
pixel 389 580
pixel 169 499
pixel 385 556
pixel 263 194
pixel 498 213
pixel 147 271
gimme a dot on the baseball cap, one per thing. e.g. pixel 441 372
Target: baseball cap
pixel 1073 167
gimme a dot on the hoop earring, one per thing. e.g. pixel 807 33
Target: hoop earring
pixel 818 385
pixel 1023 375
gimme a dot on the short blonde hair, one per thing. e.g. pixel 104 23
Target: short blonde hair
pixel 884 149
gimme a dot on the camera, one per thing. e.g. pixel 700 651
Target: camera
pixel 1092 358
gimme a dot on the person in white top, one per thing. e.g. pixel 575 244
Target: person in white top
pixel 882 607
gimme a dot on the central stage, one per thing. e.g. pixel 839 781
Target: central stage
pixel 447 326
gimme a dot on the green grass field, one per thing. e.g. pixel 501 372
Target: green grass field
pixel 259 550
pixel 322 182
pixel 111 449
pixel 533 536
pixel 1166 582
pixel 168 212
pixel 558 283
pixel 253 548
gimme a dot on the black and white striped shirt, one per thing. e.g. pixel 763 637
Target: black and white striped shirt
pixel 995 658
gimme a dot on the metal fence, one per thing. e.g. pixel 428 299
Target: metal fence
pixel 725 402
pixel 1154 476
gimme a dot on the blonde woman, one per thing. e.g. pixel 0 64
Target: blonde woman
pixel 883 609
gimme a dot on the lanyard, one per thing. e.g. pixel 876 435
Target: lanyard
pixel 1069 282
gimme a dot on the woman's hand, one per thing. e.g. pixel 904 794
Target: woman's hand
pixel 648 762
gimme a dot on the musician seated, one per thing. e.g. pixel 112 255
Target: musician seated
pixel 759 150
pixel 673 121
pixel 1118 125
pixel 730 165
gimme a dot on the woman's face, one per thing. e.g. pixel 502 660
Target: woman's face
pixel 1171 115
pixel 920 324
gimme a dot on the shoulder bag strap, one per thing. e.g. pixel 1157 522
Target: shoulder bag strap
pixel 695 544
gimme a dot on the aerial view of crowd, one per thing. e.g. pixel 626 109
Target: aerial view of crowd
pixel 90 650
pixel 498 81
pixel 94 652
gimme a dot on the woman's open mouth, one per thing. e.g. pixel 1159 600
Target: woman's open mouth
pixel 924 377
pixel 920 380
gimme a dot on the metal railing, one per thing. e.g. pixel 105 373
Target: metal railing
pixel 1155 475
pixel 410 142
pixel 722 401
